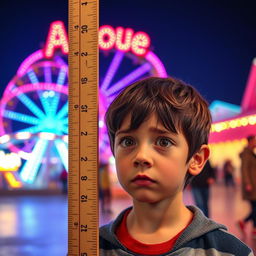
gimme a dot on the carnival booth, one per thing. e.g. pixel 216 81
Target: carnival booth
pixel 232 124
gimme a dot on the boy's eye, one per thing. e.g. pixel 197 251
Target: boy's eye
pixel 127 142
pixel 164 142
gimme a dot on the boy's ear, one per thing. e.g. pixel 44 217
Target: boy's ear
pixel 198 160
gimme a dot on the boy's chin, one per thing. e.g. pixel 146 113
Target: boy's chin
pixel 145 199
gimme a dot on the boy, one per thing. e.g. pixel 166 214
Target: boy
pixel 158 129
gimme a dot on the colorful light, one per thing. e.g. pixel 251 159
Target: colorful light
pixel 12 180
pixel 234 123
pixel 9 161
pixel 123 38
pixel 57 38
pixel 107 37
pixel 140 43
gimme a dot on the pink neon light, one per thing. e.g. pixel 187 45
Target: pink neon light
pixel 107 37
pixel 140 43
pixel 249 102
pixel 57 38
pixel 157 64
pixel 123 38
pixel 31 59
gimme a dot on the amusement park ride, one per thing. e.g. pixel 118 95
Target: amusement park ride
pixel 34 106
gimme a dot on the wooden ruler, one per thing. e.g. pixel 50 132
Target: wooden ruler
pixel 83 129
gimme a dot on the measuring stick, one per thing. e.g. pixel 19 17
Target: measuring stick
pixel 83 129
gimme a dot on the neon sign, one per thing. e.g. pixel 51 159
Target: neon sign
pixel 123 40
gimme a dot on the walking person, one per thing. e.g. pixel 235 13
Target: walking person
pixel 228 169
pixel 248 175
pixel 201 187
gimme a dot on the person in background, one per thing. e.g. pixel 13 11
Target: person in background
pixel 201 187
pixel 105 188
pixel 64 181
pixel 248 177
pixel 228 170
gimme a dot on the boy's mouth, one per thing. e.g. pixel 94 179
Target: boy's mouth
pixel 142 178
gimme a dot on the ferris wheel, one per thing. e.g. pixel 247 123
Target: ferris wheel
pixel 34 107
pixel 34 110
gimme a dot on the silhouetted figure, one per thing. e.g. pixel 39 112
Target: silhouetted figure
pixel 105 188
pixel 201 187
pixel 248 175
pixel 228 170
pixel 64 181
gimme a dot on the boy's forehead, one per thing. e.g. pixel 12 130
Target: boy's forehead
pixel 152 120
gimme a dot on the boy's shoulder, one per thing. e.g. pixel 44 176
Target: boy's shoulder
pixel 218 242
pixel 202 237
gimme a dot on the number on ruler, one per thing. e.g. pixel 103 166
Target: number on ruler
pixel 84 198
pixel 84 29
pixel 83 228
pixel 84 178
pixel 84 158
pixel 84 108
pixel 84 80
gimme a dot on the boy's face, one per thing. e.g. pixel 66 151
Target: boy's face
pixel 150 161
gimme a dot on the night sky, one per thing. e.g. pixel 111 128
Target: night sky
pixel 209 44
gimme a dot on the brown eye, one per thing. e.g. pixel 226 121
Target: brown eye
pixel 127 142
pixel 164 142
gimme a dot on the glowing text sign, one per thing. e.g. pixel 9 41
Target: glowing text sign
pixel 123 39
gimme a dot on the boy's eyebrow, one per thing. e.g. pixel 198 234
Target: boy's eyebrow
pixel 151 129
pixel 157 130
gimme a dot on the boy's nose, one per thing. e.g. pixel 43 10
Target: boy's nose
pixel 142 159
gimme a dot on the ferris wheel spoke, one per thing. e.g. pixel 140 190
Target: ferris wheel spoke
pixel 31 167
pixel 64 129
pixel 32 76
pixel 64 121
pixel 140 71
pixel 23 118
pixel 55 101
pixel 63 111
pixel 117 59
pixel 61 76
pixel 62 149
pixel 31 105
pixel 32 129
pixel 47 74
pixel 45 100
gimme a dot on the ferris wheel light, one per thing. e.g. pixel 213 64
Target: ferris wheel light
pixel 47 136
pixel 28 62
pixel 65 138
pixel 23 135
pixel 12 181
pixel 124 38
pixel 9 161
pixel 4 139
pixel 24 155
pixel 101 123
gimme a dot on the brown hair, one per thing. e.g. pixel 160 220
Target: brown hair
pixel 177 105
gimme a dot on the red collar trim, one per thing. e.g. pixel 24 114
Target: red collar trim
pixel 141 248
